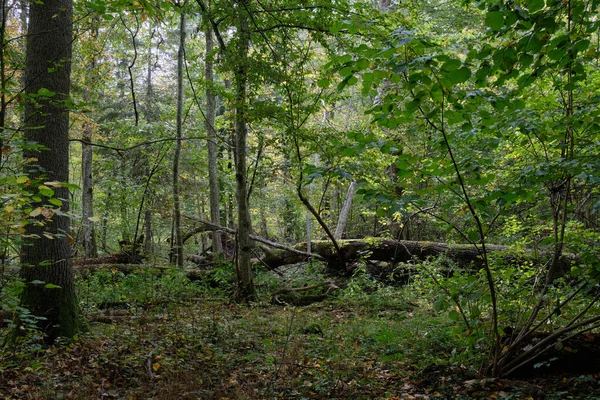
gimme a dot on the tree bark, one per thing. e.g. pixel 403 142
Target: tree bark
pixel 211 109
pixel 177 246
pixel 343 218
pixel 46 253
pixel 87 200
pixel 90 249
pixel 148 236
pixel 245 282
pixel 395 251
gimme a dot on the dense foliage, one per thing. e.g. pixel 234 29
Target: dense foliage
pixel 440 121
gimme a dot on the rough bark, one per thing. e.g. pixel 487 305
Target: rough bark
pixel 211 109
pixel 177 246
pixel 245 281
pixel 48 259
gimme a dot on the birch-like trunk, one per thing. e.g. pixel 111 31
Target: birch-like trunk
pixel 343 218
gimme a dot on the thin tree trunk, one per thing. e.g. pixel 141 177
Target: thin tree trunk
pixel 148 237
pixel 178 244
pixel 48 259
pixel 211 109
pixel 245 282
pixel 3 81
pixel 343 219
pixel 87 201
pixel 308 214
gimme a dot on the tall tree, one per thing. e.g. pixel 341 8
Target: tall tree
pixel 211 109
pixel 87 187
pixel 46 253
pixel 177 247
pixel 246 290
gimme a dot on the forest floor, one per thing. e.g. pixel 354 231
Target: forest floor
pixel 174 340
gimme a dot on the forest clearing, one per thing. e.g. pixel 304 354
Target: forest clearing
pixel 299 199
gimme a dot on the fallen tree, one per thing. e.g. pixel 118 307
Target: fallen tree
pixel 343 258
pixel 390 251
pixel 270 243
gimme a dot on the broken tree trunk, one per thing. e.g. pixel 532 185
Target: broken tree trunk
pixel 396 251
pixel 299 253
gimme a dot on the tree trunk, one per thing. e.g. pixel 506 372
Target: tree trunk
pixel 405 251
pixel 46 253
pixel 87 197
pixel 87 200
pixel 148 237
pixel 343 218
pixel 245 282
pixel 308 214
pixel 177 245
pixel 211 108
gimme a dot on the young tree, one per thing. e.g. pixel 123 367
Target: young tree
pixel 46 253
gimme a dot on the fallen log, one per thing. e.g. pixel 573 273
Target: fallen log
pixel 377 250
pixel 384 250
pixel 256 238
pixel 293 296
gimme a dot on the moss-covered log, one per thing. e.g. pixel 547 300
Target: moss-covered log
pixel 400 251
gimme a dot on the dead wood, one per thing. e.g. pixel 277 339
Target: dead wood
pixel 293 296
pixel 382 255
pixel 256 238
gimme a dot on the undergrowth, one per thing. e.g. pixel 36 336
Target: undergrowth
pixel 164 337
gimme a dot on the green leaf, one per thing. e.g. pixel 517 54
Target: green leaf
pixel 46 191
pixel 51 286
pixel 535 5
pixel 361 64
pixel 460 75
pixel 56 202
pixel 43 92
pixel 367 80
pixel 494 20
pixel 451 65
pixel 323 83
pixel 346 71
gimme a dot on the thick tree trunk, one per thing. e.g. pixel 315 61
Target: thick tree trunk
pixel 245 281
pixel 177 245
pixel 211 109
pixel 46 253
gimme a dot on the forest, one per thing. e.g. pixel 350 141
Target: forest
pixel 299 199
